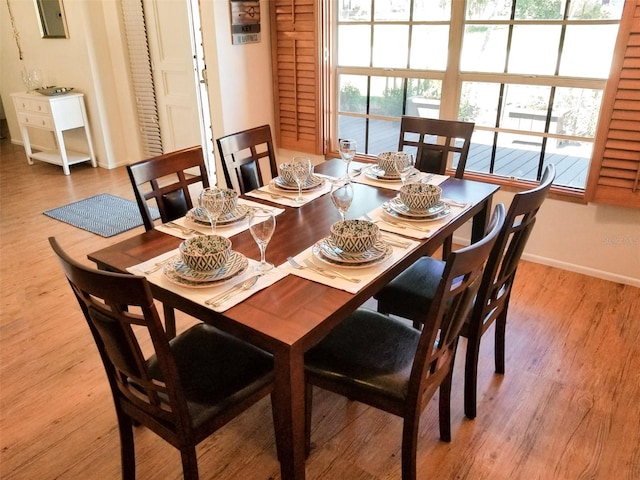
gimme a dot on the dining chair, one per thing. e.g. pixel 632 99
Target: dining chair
pixel 164 182
pixel 387 364
pixel 241 155
pixel 188 388
pixel 410 293
pixel 434 141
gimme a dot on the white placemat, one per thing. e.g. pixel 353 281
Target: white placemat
pixel 201 295
pixel 365 275
pixel 414 229
pixel 191 228
pixel 283 197
pixel 431 178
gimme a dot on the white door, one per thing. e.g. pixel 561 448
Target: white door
pixel 172 46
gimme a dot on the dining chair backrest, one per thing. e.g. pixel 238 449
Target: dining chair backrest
pixel 164 182
pixel 118 308
pixel 504 259
pixel 447 313
pixel 434 141
pixel 242 153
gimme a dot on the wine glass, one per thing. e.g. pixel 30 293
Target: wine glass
pixel 347 149
pixel 342 196
pixel 405 167
pixel 211 202
pixel 262 224
pixel 301 169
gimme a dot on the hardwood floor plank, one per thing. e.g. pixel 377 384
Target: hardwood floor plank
pixel 567 408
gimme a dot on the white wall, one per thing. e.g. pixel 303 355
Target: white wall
pixel 594 239
pixel 597 240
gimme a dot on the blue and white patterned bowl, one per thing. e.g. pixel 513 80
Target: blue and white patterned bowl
pixel 205 253
pixel 287 173
pixel 230 201
pixel 354 235
pixel 388 161
pixel 419 197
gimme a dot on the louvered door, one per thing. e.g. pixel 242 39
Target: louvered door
pixel 615 174
pixel 297 74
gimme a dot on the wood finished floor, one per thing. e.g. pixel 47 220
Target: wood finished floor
pixel 567 408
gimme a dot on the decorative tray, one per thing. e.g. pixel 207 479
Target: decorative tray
pixel 53 91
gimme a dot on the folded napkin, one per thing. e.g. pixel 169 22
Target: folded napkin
pixel 422 229
pixel 285 197
pixel 432 178
pixel 200 295
pixel 225 230
pixel 365 275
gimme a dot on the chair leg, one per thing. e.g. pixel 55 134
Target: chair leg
pixel 444 407
pixel 308 405
pixel 501 327
pixel 189 463
pixel 410 447
pixel 127 448
pixel 169 321
pixel 471 374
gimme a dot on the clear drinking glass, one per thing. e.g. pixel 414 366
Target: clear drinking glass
pixel 211 201
pixel 262 224
pixel 342 196
pixel 405 168
pixel 347 149
pixel 301 169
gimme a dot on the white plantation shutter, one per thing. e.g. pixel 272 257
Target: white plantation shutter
pixel 142 76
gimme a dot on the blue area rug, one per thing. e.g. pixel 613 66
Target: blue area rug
pixel 105 215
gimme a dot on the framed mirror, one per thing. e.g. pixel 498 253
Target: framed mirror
pixel 51 18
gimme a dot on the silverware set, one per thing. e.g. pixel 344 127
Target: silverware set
pixel 219 299
pixel 184 230
pixel 158 265
pixel 398 224
pixel 326 272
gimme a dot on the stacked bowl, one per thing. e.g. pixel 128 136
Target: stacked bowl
pixel 205 253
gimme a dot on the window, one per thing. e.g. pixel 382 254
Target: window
pixel 529 73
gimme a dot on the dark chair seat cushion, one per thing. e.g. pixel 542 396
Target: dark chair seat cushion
pixel 216 370
pixel 369 349
pixel 409 294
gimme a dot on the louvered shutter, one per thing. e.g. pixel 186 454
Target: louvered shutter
pixel 295 50
pixel 142 77
pixel 615 173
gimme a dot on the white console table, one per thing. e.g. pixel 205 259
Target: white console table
pixel 56 114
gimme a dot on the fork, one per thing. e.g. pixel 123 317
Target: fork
pixel 398 224
pixel 158 265
pixel 401 225
pixel 184 230
pixel 237 288
pixel 313 266
pixel 273 195
pixel 322 271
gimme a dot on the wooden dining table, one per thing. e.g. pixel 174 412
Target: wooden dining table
pixel 294 314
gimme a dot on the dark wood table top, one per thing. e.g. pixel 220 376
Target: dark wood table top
pixel 294 308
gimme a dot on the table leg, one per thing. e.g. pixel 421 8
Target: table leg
pixel 288 398
pixel 480 221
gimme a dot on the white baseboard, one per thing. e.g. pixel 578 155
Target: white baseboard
pixel 572 267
